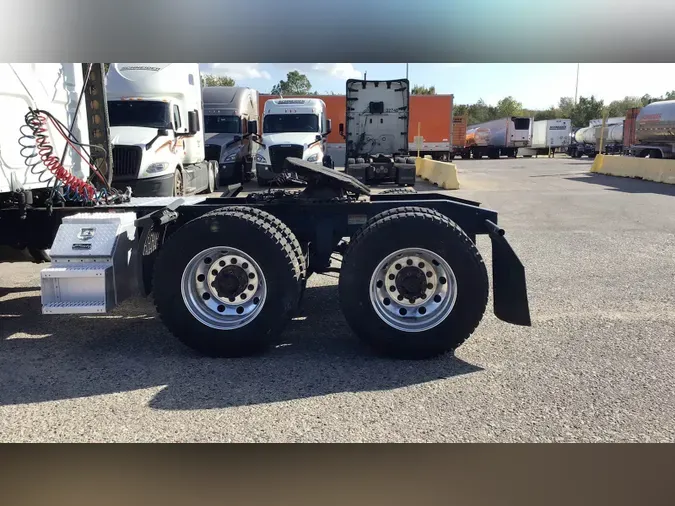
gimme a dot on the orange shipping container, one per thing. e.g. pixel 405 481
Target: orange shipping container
pixel 432 116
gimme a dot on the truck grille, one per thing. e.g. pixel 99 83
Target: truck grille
pixel 126 161
pixel 278 155
pixel 212 152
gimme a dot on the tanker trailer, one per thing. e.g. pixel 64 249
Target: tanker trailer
pixel 655 131
pixel 612 140
pixel 499 137
pixel 583 143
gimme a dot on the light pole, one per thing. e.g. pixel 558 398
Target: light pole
pixel 576 89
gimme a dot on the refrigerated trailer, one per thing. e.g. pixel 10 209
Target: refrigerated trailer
pixel 228 273
pixel 500 137
pixel 548 136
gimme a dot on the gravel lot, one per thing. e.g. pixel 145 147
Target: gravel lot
pixel 597 365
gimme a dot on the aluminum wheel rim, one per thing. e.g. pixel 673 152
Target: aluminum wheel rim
pixel 200 288
pixel 425 310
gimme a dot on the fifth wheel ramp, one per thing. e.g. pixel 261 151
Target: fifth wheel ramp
pixel 650 169
pixel 442 174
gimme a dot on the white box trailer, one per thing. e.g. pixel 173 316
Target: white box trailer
pixel 548 134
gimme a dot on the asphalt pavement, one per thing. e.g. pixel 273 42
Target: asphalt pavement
pixel 597 364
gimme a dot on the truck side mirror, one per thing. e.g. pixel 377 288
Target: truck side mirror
pixel 329 126
pixel 252 127
pixel 193 122
pixel 341 128
pixel 162 132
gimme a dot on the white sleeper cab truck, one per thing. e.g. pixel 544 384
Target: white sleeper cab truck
pixel 296 128
pixel 227 111
pixel 157 129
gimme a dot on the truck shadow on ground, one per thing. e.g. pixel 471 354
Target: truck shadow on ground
pixel 58 357
pixel 626 184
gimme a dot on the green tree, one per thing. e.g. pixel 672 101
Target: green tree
pixel 566 107
pixel 295 84
pixel 212 80
pixel 509 106
pixel 620 107
pixel 586 110
pixel 419 89
pixel 106 66
pixel 550 113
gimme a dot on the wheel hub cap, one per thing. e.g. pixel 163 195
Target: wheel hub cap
pixel 413 290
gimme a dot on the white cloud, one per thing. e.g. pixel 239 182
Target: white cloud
pixel 236 70
pixel 335 70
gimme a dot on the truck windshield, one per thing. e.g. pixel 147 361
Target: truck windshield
pixel 222 124
pixel 150 114
pixel 278 123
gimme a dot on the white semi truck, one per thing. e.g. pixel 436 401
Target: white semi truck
pixel 227 112
pixel 157 129
pixel 296 127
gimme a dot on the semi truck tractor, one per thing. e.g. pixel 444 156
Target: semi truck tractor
pixel 655 131
pixel 228 273
pixel 500 137
pixel 376 132
pixel 227 112
pixel 548 136
pixel 157 129
pixel 293 127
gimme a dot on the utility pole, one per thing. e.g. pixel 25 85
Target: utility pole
pixel 576 89
pixel 365 75
pixel 406 71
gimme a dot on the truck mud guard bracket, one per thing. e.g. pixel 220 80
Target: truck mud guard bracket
pixel 151 232
pixel 508 278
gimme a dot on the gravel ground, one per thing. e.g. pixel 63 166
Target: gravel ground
pixel 597 365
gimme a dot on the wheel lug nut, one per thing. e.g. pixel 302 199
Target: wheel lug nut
pixel 392 288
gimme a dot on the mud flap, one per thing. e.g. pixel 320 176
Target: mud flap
pixel 508 279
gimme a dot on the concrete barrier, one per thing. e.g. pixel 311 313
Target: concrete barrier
pixel 651 169
pixel 442 174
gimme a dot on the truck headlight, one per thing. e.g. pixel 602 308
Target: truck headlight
pixel 313 158
pixel 157 167
pixel 229 157
pixel 260 158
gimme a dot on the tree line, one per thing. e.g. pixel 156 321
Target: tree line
pixel 586 108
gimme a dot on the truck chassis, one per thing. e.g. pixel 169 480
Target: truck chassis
pixel 228 273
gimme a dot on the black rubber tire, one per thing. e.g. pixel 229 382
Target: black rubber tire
pixel 398 191
pixel 360 160
pixel 405 227
pixel 299 260
pixel 410 160
pixel 178 175
pixel 262 237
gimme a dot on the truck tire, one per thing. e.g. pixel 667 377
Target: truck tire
pixel 410 160
pixel 398 191
pixel 226 284
pixel 328 162
pixel 360 160
pixel 213 179
pixel 178 186
pixel 351 161
pixel 299 260
pixel 437 267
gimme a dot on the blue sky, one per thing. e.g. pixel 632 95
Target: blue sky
pixel 536 85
